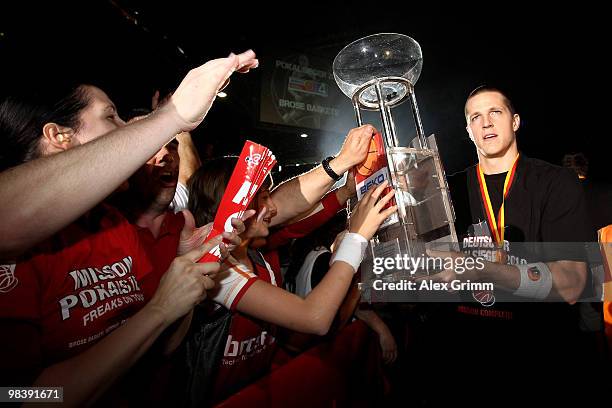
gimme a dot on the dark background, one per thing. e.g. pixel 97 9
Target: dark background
pixel 547 62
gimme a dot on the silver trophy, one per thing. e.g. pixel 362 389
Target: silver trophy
pixel 378 73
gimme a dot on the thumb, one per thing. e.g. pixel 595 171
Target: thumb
pixel 248 214
pixel 189 220
pixel 189 225
pixel 262 213
pixel 196 254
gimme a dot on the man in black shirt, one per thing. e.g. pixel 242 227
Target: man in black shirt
pixel 507 199
pixel 503 204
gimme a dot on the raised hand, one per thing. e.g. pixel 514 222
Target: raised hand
pixel 196 93
pixel 354 149
pixel 185 283
pixel 369 214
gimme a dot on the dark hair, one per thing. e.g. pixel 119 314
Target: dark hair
pixel 206 187
pixel 487 88
pixel 577 162
pixel 23 116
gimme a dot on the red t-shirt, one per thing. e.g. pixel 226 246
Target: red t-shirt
pixel 71 291
pixel 161 250
pixel 251 344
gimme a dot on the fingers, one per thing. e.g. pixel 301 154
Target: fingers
pixel 248 214
pixel 224 252
pixel 393 356
pixel 208 282
pixel 238 225
pixel 232 238
pixel 366 130
pixel 219 70
pixel 196 254
pixel 383 201
pixel 206 228
pixel 376 192
pixel 247 61
pixel 189 220
pixel 388 211
pixel 262 214
pixel 213 242
pixel 206 269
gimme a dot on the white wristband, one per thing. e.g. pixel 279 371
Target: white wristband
pixel 351 250
pixel 536 281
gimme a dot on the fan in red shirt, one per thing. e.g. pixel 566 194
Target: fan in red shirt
pixel 251 286
pixel 65 296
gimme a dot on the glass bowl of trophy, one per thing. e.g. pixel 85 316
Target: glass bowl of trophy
pixel 378 73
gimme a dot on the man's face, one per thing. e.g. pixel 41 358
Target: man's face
pixel 490 124
pixel 156 180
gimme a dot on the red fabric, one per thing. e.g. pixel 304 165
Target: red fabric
pixel 161 250
pixel 241 293
pixel 342 372
pixel 75 289
pixel 250 345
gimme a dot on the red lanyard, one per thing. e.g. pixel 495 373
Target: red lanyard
pixel 496 229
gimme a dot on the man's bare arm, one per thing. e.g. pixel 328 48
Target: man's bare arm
pixel 190 159
pixel 568 277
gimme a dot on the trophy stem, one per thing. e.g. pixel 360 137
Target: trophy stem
pixel 385 114
pixel 417 121
pixel 357 112
pixel 390 141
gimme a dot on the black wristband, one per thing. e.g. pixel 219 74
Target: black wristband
pixel 330 172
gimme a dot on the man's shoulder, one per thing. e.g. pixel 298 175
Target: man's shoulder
pixel 544 176
pixel 543 168
pixel 462 173
pixel 457 181
pixel 459 176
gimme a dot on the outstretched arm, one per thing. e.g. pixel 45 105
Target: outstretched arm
pixel 315 313
pixel 88 375
pixel 299 194
pixel 190 159
pixel 41 197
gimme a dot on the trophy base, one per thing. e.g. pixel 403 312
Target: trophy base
pixel 393 261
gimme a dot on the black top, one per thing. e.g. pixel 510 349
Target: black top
pixel 495 186
pixel 320 268
pixel 545 203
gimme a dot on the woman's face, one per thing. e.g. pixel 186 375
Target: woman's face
pixel 257 226
pixel 98 118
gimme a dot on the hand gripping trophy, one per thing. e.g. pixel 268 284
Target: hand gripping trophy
pixel 378 73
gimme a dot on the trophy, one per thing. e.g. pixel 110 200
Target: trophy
pixel 378 73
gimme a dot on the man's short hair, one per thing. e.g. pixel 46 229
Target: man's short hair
pixel 488 88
